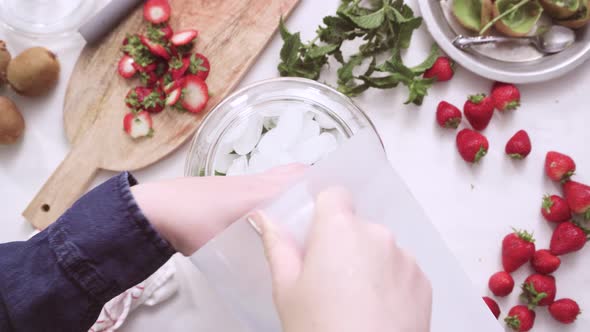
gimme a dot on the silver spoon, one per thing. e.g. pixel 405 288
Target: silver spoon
pixel 554 40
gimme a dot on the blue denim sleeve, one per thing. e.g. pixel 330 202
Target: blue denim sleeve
pixel 60 279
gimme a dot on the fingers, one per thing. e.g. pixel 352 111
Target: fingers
pixel 282 254
pixel 333 207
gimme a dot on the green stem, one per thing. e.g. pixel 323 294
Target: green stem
pixel 499 17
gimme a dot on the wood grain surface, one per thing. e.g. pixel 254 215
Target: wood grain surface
pixel 232 34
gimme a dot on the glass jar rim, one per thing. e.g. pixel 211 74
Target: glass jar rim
pixel 236 94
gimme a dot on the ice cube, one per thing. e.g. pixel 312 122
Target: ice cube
pixel 310 129
pixel 238 167
pixel 223 161
pixel 284 135
pixel 270 122
pixel 259 162
pixel 325 121
pixel 314 149
pixel 250 136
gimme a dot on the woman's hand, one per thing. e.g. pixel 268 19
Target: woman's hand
pixel 188 212
pixel 352 277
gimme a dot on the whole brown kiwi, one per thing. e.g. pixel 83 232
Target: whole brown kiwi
pixel 33 72
pixel 4 60
pixel 12 123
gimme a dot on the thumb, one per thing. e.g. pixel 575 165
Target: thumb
pixel 282 254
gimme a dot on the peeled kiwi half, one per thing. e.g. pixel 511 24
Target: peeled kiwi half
pixel 520 21
pixel 560 9
pixel 33 72
pixel 579 19
pixel 472 14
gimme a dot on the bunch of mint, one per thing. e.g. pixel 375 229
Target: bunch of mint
pixel 384 26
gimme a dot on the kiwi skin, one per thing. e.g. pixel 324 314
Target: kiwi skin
pixel 4 60
pixel 12 124
pixel 33 72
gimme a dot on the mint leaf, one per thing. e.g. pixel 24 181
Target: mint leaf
pixel 428 62
pixel 319 51
pixel 370 21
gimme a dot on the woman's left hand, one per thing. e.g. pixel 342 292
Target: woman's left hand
pixel 188 212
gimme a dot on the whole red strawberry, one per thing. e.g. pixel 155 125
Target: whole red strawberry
pixel 520 318
pixel 472 145
pixel 494 308
pixel 558 166
pixel 447 115
pixel 519 145
pixel 517 249
pixel 544 262
pixel 479 110
pixel 555 209
pixel 501 283
pixel 539 290
pixel 506 96
pixel 565 310
pixel 578 197
pixel 567 237
pixel 442 69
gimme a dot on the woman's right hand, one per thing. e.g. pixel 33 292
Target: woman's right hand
pixel 352 276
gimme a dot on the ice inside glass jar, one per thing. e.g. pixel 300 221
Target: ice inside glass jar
pixel 273 123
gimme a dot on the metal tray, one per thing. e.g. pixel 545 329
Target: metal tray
pixel 520 64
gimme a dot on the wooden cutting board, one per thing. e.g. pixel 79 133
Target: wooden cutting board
pixel 232 34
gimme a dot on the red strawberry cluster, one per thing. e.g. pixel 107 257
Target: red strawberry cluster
pixel 479 110
pixel 518 248
pixel 170 73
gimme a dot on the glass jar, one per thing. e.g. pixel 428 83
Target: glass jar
pixel 45 18
pixel 288 94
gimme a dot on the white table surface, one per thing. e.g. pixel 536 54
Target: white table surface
pixel 472 206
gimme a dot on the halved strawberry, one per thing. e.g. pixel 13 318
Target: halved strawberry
pixel 154 102
pixel 150 67
pixel 173 97
pixel 199 65
pixel 135 97
pixel 167 31
pixel 126 67
pixel 178 66
pixel 156 11
pixel 179 83
pixel 148 79
pixel 138 125
pixel 155 48
pixel 183 37
pixel 195 94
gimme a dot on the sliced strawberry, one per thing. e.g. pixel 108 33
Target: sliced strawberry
pixel 156 11
pixel 183 37
pixel 173 96
pixel 155 48
pixel 199 65
pixel 138 125
pixel 126 67
pixel 178 66
pixel 195 94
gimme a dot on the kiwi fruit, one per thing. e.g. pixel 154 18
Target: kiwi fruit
pixel 4 60
pixel 560 9
pixel 12 123
pixel 33 72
